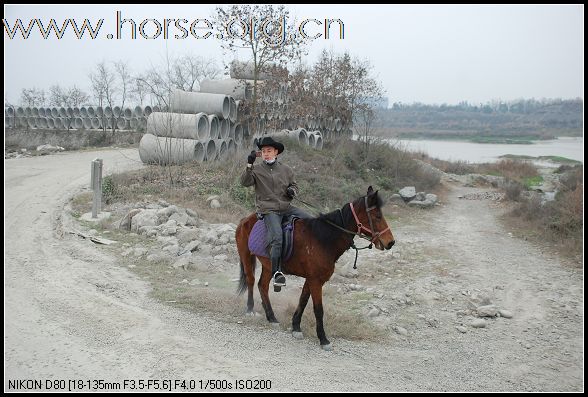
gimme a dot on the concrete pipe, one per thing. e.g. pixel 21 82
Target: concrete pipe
pixel 116 111
pixel 100 112
pixel 91 111
pixel 163 151
pixel 224 129
pixel 231 130
pixel 54 112
pixel 51 123
pixel 31 122
pixel 196 102
pixel 42 112
pixel 312 140
pixel 238 134
pixel 77 123
pixel 147 111
pixel 138 111
pixel 232 110
pixel 40 122
pixel 28 112
pixel 237 89
pixel 108 112
pixel 120 124
pixel 143 123
pixel 319 142
pixel 20 112
pixel 127 114
pixel 210 149
pixel 214 126
pixel 231 146
pixel 134 123
pixel 301 135
pixel 35 112
pixel 77 112
pixel 178 125
pixel 156 109
pixel 94 123
pixel 69 112
pixel 221 144
pixel 10 112
pixel 87 123
pixel 83 112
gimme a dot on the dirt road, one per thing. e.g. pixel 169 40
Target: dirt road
pixel 71 312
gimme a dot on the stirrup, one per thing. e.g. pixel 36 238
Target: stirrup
pixel 279 279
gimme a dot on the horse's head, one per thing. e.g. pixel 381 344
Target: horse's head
pixel 367 211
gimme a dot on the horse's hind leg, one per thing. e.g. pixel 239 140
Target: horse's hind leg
pixel 263 286
pixel 250 277
pixel 296 332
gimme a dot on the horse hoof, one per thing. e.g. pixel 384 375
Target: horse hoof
pixel 328 347
pixel 275 325
pixel 297 335
pixel 250 314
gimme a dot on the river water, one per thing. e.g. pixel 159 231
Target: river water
pixel 572 148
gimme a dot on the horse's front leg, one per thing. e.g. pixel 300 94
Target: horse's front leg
pixel 263 285
pixel 316 290
pixel 296 332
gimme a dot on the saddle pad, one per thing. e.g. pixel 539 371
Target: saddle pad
pixel 258 240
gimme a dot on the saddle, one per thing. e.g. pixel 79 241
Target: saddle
pixel 258 238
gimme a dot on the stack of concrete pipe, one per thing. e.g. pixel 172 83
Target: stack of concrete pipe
pixel 208 120
pixel 85 117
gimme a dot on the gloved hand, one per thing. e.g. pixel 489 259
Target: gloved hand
pixel 251 158
pixel 291 192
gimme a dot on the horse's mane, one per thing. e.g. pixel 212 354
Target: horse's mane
pixel 327 234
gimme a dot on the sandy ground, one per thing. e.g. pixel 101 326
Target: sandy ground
pixel 73 313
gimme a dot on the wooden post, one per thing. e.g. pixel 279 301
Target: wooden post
pixel 97 187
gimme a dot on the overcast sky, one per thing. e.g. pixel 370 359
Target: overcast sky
pixel 430 54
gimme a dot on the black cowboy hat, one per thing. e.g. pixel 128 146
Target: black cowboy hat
pixel 269 141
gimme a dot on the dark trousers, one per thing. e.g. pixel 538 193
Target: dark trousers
pixel 273 224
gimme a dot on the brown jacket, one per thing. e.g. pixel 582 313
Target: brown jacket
pixel 271 182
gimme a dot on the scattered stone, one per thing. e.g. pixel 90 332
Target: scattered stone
pixel 478 323
pixel 505 313
pixel 401 331
pixel 461 329
pixel 374 312
pixel 487 311
pixel 408 193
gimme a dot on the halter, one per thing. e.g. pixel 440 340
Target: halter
pixel 361 227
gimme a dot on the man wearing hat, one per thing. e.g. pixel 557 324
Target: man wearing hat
pixel 275 188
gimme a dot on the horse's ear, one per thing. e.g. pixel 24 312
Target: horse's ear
pixel 370 190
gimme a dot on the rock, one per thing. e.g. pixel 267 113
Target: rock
pixel 125 222
pixel 210 198
pixel 144 218
pixel 407 193
pixel 431 198
pixel 49 148
pixel 420 196
pixel 505 313
pixel 214 204
pixel 374 312
pixel 139 251
pixel 461 329
pixel 487 311
pixel 478 323
pixel 401 331
pixel 192 246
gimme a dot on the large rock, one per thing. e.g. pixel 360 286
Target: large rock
pixel 144 218
pixel 408 193
pixel 125 223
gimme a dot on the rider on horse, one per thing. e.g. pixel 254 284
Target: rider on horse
pixel 275 188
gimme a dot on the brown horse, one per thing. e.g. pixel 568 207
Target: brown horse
pixel 318 244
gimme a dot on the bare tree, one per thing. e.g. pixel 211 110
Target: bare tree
pixel 32 97
pixel 265 31
pixel 104 86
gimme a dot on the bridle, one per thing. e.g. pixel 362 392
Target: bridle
pixel 360 226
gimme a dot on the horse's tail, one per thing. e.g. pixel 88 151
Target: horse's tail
pixel 243 278
pixel 246 258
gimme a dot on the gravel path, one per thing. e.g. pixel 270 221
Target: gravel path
pixel 73 313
